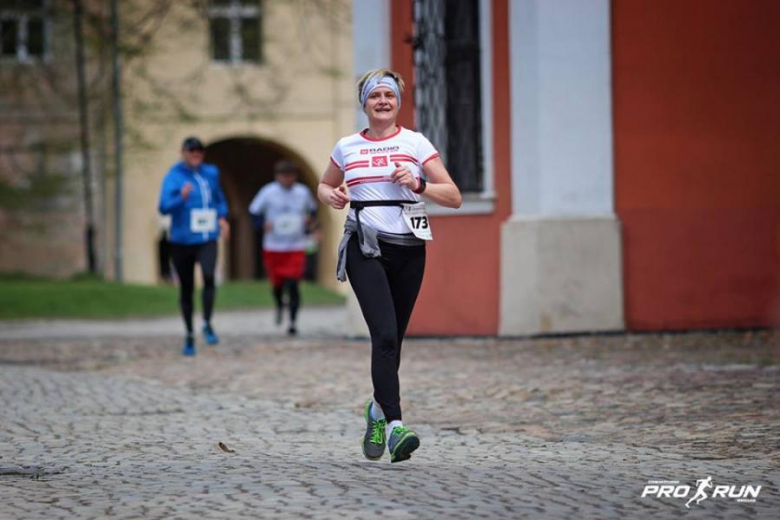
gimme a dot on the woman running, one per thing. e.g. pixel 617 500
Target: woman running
pixel 385 168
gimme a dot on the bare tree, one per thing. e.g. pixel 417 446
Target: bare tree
pixel 51 109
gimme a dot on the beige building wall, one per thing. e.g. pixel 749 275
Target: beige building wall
pixel 42 217
pixel 301 98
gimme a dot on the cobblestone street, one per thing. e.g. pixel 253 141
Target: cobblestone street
pixel 124 427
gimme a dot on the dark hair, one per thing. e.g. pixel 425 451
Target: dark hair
pixel 286 166
pixel 192 143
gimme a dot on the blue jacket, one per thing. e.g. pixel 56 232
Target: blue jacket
pixel 206 194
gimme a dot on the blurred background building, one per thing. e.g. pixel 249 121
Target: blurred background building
pixel 256 81
pixel 619 159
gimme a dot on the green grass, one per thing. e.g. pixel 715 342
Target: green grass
pixel 26 297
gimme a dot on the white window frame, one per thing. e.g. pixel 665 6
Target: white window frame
pixel 235 13
pixel 480 203
pixel 22 17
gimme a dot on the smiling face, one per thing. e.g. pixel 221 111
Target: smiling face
pixel 382 106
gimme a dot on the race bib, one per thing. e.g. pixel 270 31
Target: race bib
pixel 417 220
pixel 288 224
pixel 203 220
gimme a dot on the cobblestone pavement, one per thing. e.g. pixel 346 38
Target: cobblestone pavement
pixel 124 427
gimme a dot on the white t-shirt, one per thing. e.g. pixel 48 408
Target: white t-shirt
pixel 286 210
pixel 367 165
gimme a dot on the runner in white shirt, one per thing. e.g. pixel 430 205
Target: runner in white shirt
pixel 285 209
pixel 381 173
pixel 368 166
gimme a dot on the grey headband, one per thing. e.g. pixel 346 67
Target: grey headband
pixel 375 82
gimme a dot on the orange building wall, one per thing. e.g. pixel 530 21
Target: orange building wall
pixel 460 292
pixel 401 31
pixel 696 88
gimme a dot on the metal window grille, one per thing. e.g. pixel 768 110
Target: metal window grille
pixel 236 31
pixel 447 85
pixel 24 30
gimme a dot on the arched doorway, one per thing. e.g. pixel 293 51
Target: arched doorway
pixel 246 165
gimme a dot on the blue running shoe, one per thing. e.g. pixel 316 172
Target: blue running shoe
pixel 210 335
pixel 189 346
pixel 402 443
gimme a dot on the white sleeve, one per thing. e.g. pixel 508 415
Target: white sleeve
pixel 425 150
pixel 337 157
pixel 310 203
pixel 257 206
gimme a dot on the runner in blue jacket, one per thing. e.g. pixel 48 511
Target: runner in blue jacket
pixel 192 195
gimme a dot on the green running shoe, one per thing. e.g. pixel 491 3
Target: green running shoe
pixel 374 439
pixel 402 443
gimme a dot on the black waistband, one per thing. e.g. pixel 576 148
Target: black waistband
pixel 360 204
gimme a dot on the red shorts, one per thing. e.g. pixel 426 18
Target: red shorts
pixel 284 265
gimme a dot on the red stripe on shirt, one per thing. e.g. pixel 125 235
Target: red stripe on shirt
pixel 366 180
pixel 356 164
pixel 434 156
pixel 402 157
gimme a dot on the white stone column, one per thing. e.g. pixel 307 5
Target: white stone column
pixel 371 42
pixel 371 48
pixel 560 250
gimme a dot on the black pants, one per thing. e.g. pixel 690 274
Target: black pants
pixel 164 256
pixel 293 291
pixel 184 258
pixel 386 288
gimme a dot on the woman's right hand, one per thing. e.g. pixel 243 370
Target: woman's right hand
pixel 338 198
pixel 331 190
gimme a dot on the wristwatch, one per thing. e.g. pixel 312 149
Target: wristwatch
pixel 422 186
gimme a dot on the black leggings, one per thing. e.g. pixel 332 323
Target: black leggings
pixel 184 257
pixel 386 288
pixel 291 286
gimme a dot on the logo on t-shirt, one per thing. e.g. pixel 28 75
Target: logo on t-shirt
pixel 381 149
pixel 379 161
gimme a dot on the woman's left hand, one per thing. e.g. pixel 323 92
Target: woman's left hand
pixel 403 175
